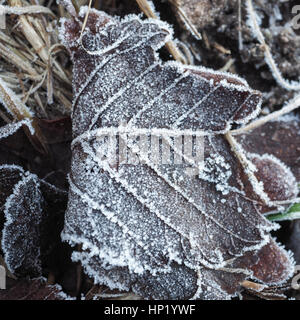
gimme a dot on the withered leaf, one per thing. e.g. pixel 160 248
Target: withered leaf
pixel 31 216
pixel 117 68
pixel 148 227
pixel 280 138
pixel 277 182
pixel 36 289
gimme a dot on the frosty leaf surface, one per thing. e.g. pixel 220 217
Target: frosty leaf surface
pixel 118 65
pixel 150 227
pixel 35 289
pixel 279 182
pixel 276 183
pixel 280 138
pixel 31 212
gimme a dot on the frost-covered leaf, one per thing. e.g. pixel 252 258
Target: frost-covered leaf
pixel 276 182
pixel 161 230
pixel 118 69
pixel 270 265
pixel 31 210
pixel 279 182
pixel 31 218
pixel 280 138
pixel 36 289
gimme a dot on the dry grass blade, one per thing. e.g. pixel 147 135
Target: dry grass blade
pixel 31 34
pixel 13 104
pixel 9 54
pixel 170 45
pixel 24 10
pixel 33 62
pixel 15 107
pixel 186 20
pixel 248 168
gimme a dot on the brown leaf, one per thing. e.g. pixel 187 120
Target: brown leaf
pixel 277 181
pixel 280 138
pixel 159 229
pixel 32 213
pixel 201 90
pixel 269 265
pixel 36 289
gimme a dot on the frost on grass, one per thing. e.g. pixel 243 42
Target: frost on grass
pixel 12 103
pixel 151 227
pixel 254 23
pixel 29 209
pixel 11 128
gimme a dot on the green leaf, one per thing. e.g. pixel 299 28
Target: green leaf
pixel 292 213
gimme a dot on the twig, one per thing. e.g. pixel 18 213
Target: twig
pixel 240 25
pixel 85 20
pixel 186 20
pixel 268 56
pixel 250 285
